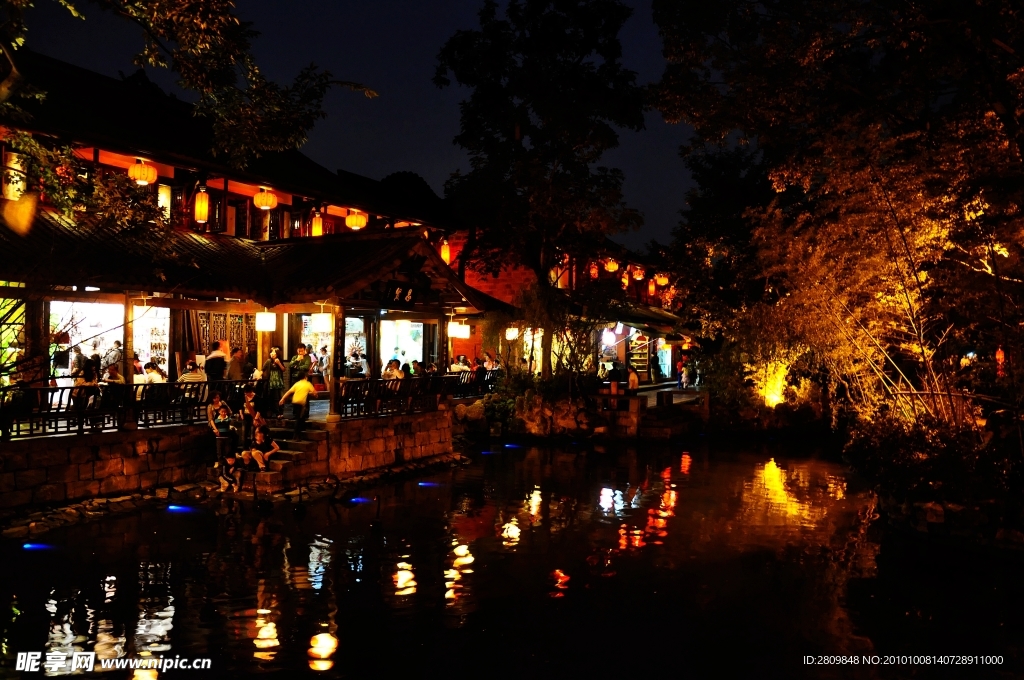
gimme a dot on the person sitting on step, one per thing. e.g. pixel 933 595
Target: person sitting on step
pixel 263 447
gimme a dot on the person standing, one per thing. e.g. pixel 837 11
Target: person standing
pixel 300 365
pixel 633 380
pixel 113 356
pixel 680 370
pixel 273 373
pixel 77 362
pixel 236 366
pixel 299 393
pixel 216 362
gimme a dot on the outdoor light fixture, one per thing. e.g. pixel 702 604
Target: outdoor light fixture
pixel 511 333
pixel 141 173
pixel 202 205
pixel 265 200
pixel 318 224
pixel 652 288
pixel 611 265
pixel 608 338
pixel 638 273
pixel 446 252
pixel 458 330
pixel 625 279
pixel 321 322
pixel 355 220
pixel 594 272
pixel 266 322
pixel 662 279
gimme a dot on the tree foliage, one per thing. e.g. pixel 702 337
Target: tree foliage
pixel 548 91
pixel 890 133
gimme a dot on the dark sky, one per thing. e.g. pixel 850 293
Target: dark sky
pixel 389 45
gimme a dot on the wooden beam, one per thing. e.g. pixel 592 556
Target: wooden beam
pixel 14 292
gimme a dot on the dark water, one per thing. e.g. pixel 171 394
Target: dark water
pixel 529 563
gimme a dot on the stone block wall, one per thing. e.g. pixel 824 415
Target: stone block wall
pixel 362 444
pixel 52 470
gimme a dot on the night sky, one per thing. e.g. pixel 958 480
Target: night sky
pixel 389 45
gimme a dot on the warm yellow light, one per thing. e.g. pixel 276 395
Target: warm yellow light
pixel 355 220
pixel 662 279
pixel 446 252
pixel 322 322
pixel 322 645
pixel 511 333
pixel 202 206
pixel 594 271
pixel 458 330
pixel 265 200
pixel 652 288
pixel 625 279
pixel 611 265
pixel 318 224
pixel 20 214
pixel 511 532
pixel 321 664
pixel 142 173
pixel 404 579
pixel 268 632
pixel 266 322
pixel 638 273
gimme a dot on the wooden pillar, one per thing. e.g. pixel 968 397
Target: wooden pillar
pixel 337 354
pixel 35 369
pixel 128 352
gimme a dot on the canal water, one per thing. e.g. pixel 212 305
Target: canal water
pixel 694 561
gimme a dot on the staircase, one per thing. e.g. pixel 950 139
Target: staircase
pixel 298 459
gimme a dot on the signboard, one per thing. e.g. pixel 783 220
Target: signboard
pixel 400 295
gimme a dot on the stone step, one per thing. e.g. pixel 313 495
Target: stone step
pixel 293 456
pixel 286 442
pixel 289 423
pixel 282 466
pixel 307 434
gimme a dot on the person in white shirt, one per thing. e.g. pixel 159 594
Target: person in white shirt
pixel 154 374
pixel 392 371
pixel 460 365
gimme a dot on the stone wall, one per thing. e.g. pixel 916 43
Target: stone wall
pixel 57 469
pixel 363 444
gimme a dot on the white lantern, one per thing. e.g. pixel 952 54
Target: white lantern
pixel 458 330
pixel 511 333
pixel 608 338
pixel 266 322
pixel 321 322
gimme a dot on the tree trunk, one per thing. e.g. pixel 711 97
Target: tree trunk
pixel 545 354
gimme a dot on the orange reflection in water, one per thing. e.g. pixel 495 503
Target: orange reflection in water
pixel 684 464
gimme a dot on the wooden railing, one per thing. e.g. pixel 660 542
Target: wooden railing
pixel 41 411
pixel 363 398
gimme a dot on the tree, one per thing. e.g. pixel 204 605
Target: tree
pixel 892 133
pixel 548 91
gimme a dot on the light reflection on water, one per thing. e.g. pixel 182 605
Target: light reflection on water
pixel 526 539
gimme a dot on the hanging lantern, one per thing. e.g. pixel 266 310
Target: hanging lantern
pixel 652 288
pixel 265 200
pixel 458 330
pixel 317 225
pixel 142 174
pixel 662 279
pixel 321 322
pixel 202 205
pixel 593 270
pixel 625 279
pixel 355 220
pixel 638 273
pixel 446 252
pixel 266 322
pixel 511 333
pixel 611 265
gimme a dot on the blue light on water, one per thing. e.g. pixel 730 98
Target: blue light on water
pixel 179 508
pixel 36 546
pixel 513 446
pixel 489 453
pixel 360 499
pixel 429 484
